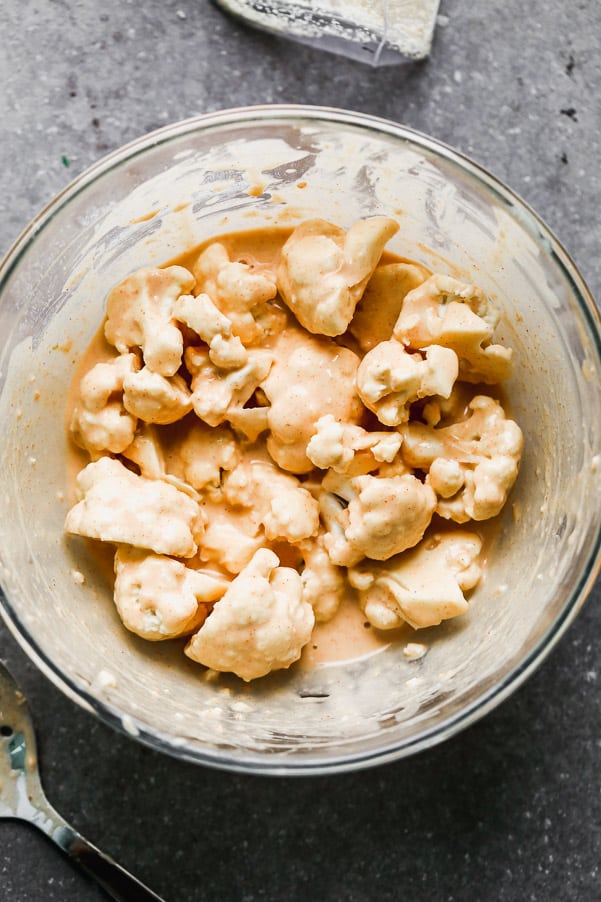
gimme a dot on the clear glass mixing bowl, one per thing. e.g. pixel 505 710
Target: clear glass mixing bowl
pixel 241 169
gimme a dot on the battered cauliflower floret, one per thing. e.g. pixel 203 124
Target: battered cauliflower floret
pixel 310 377
pixel 154 460
pixel 379 308
pixel 202 316
pixel 385 515
pixel 472 465
pixel 396 467
pixel 281 505
pixel 324 269
pixel 323 582
pixel 232 535
pixel 146 452
pixel 389 379
pixel 201 454
pixel 349 449
pixel 155 398
pixel 421 587
pixel 444 311
pixel 218 393
pixel 139 314
pixel 249 421
pixel 100 422
pixel 240 292
pixel 261 623
pixel 118 506
pixel 160 598
pixel 444 411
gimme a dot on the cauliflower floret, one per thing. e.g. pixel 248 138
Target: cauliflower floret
pixel 217 393
pixel 324 270
pixel 444 311
pixel 349 449
pixel 202 316
pixel 385 515
pixel 310 377
pixel 323 582
pixel 472 465
pixel 250 421
pixel 446 477
pixel 261 623
pixel 390 379
pixel 421 587
pixel 232 535
pixel 118 506
pixel 156 458
pixel 155 398
pixel 139 314
pixel 158 597
pixel 440 411
pixel 99 423
pixel 281 505
pixel 146 452
pixel 240 292
pixel 200 454
pixel 379 308
pixel 396 467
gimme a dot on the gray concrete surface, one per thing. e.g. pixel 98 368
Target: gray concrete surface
pixel 510 809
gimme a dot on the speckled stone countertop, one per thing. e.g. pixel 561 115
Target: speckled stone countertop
pixel 511 808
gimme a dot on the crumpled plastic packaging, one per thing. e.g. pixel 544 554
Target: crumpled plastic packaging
pixel 377 32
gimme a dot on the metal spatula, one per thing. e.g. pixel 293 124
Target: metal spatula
pixel 22 797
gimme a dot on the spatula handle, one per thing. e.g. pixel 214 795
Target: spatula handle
pixel 115 880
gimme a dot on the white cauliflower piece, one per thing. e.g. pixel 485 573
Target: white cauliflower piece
pixel 349 449
pixel 202 316
pixel 323 582
pixel 385 515
pixel 440 411
pixel 240 291
pixel 446 476
pixel 444 311
pixel 421 587
pixel 389 379
pixel 232 535
pixel 261 623
pixel 310 377
pixel 281 505
pixel 250 421
pixel 217 393
pixel 158 597
pixel 99 421
pixel 471 465
pixel 324 269
pixel 379 308
pixel 396 467
pixel 154 398
pixel 119 506
pixel 139 314
pixel 146 452
pixel 200 454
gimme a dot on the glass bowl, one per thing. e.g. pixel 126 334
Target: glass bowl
pixel 236 170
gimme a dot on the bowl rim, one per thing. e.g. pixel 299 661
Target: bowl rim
pixel 307 764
